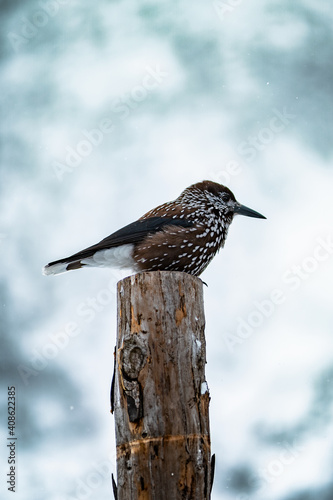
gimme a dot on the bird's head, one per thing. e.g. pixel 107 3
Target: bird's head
pixel 224 200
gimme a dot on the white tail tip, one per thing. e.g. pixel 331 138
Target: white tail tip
pixel 54 269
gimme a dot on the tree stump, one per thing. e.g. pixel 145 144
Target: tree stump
pixel 161 396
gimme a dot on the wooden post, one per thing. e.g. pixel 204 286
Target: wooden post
pixel 161 396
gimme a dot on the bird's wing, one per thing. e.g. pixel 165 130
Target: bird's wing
pixel 130 234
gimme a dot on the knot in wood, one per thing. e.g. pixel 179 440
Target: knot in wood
pixel 133 357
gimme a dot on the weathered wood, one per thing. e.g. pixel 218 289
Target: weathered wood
pixel 161 396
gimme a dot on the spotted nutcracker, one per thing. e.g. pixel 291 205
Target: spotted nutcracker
pixel 181 235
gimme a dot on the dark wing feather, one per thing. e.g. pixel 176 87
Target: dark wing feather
pixel 130 234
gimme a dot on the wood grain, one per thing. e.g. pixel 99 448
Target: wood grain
pixel 161 395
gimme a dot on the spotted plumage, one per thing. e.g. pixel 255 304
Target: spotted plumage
pixel 182 235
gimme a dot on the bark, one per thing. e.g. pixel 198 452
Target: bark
pixel 161 396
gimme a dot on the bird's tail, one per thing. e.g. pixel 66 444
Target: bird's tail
pixel 120 256
pixel 61 266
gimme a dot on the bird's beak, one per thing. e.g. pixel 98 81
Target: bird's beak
pixel 243 210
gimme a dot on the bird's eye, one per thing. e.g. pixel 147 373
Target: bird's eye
pixel 226 197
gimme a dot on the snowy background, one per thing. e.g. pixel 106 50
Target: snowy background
pixel 109 109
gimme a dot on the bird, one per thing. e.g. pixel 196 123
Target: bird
pixel 181 235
